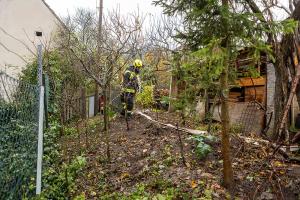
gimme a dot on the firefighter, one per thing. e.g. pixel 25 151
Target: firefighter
pixel 130 86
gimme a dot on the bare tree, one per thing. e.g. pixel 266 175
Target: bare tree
pixel 101 62
pixel 162 47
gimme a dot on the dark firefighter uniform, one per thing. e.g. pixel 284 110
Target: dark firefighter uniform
pixel 130 86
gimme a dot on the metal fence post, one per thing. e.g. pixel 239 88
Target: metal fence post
pixel 41 122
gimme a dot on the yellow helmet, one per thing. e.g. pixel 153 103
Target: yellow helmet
pixel 138 63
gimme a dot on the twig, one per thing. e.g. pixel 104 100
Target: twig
pixel 280 189
pixel 273 146
pixel 126 114
pixel 239 150
pixel 157 129
pixel 278 181
pixel 181 146
pixel 263 133
pixel 255 192
pixel 286 109
pixel 86 135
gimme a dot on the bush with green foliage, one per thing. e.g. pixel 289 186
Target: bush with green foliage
pixel 146 97
pixel 18 138
pixel 69 130
pixel 59 183
pixel 58 177
pixel 236 128
pixel 202 149
pixel 61 75
pixel 143 192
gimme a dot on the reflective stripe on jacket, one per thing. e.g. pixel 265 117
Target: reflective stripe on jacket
pixel 130 80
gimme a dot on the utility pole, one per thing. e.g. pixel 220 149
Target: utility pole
pixel 100 24
pixel 96 107
pixel 41 118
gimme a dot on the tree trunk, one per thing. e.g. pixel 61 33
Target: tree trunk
pixel 99 40
pixel 281 93
pixel 285 64
pixel 106 121
pixel 62 109
pixel 83 103
pixel 206 110
pixel 227 165
pixel 96 105
pixel 173 92
pixel 287 106
pixel 83 113
pixel 106 92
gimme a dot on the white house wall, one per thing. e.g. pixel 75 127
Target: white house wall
pixel 20 19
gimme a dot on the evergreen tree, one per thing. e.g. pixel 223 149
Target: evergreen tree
pixel 215 31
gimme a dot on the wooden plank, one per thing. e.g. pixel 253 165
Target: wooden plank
pixel 247 82
pixel 250 93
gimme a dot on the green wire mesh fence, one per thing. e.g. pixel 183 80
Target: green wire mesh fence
pixel 18 137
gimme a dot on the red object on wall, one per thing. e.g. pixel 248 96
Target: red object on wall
pixel 101 102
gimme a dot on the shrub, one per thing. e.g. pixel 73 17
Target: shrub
pixel 236 128
pixel 59 183
pixel 146 97
pixel 202 149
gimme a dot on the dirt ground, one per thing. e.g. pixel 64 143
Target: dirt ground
pixel 149 155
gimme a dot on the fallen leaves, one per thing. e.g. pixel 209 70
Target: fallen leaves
pixel 193 184
pixel 216 186
pixel 141 158
pixel 124 175
pixel 187 164
pixel 266 196
pixel 278 164
pixel 93 193
pixel 207 176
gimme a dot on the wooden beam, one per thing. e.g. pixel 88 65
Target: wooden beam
pixel 186 130
pixel 247 82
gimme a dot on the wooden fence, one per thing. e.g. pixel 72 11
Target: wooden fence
pixel 76 108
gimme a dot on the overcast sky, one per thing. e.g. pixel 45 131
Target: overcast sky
pixel 62 7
